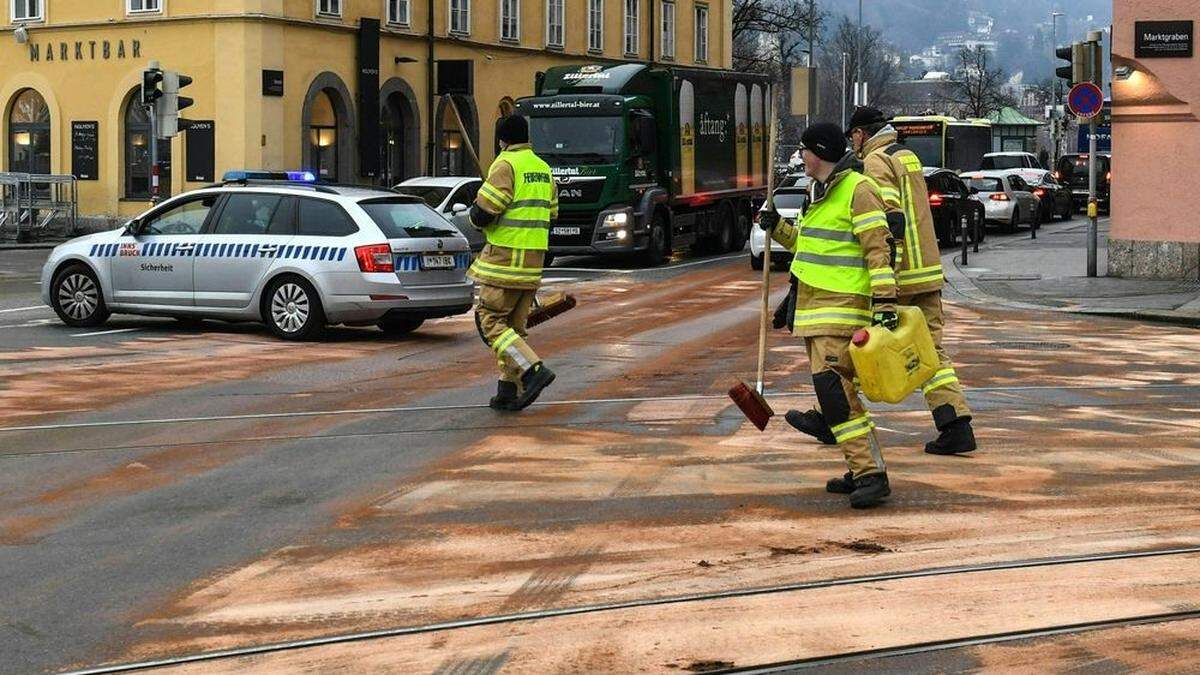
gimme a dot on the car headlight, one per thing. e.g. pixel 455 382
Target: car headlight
pixel 614 220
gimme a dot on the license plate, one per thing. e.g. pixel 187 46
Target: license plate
pixel 565 230
pixel 437 262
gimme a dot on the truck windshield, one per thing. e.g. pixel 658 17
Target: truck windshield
pixel 583 140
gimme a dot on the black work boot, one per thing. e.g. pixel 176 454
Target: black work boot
pixel 842 485
pixel 506 395
pixel 534 380
pixel 870 491
pixel 955 438
pixel 813 423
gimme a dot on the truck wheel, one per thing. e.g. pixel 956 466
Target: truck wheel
pixel 741 233
pixel 548 259
pixel 659 244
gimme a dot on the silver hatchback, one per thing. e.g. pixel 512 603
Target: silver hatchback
pixel 296 256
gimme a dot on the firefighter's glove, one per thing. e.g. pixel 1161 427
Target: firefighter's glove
pixel 767 220
pixel 883 313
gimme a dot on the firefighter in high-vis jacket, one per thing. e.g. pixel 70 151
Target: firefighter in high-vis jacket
pixel 514 208
pixel 919 274
pixel 845 282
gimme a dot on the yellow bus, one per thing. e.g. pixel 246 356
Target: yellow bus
pixel 946 142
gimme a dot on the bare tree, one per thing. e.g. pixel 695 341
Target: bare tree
pixel 880 68
pixel 770 35
pixel 978 87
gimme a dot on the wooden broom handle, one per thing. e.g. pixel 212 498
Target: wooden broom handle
pixel 766 282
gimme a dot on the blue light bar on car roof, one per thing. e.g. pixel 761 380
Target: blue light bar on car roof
pixel 293 176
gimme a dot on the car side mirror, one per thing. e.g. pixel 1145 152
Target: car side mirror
pixel 132 227
pixel 459 209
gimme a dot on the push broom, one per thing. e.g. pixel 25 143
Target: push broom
pixel 551 305
pixel 751 401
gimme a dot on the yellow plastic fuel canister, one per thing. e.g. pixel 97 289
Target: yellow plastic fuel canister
pixel 891 364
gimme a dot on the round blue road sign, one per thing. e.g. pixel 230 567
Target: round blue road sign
pixel 1085 100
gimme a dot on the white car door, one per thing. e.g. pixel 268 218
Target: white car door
pixel 239 247
pixel 155 265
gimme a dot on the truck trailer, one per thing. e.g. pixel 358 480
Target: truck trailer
pixel 651 159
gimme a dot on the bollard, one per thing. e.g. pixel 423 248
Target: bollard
pixel 966 237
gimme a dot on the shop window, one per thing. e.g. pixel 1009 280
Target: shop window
pixel 555 11
pixel 143 6
pixel 668 30
pixel 137 154
pixel 329 7
pixel 27 10
pixel 323 138
pixel 596 25
pixel 29 133
pixel 701 34
pixel 397 12
pixel 460 17
pixel 454 158
pixel 631 27
pixel 510 20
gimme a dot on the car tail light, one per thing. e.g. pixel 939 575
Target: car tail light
pixel 375 258
pixel 935 199
pixel 1040 192
pixel 1056 175
pixel 998 197
pixel 1108 176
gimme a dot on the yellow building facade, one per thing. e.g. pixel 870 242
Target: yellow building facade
pixel 279 81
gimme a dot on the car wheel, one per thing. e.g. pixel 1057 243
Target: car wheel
pixel 1013 222
pixel 292 309
pixel 76 297
pixel 756 262
pixel 400 325
pixel 1069 212
pixel 657 247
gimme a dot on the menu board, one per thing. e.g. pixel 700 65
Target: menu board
pixel 85 149
pixel 201 151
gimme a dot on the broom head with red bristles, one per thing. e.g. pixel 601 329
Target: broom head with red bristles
pixel 753 405
pixel 549 307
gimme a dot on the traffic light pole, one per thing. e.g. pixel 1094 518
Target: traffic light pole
pixel 153 154
pixel 1093 229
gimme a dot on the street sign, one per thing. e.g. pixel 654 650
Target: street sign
pixel 1085 100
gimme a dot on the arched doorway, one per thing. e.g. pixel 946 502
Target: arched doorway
pixel 400 133
pixel 327 131
pixel 453 158
pixel 136 152
pixel 29 133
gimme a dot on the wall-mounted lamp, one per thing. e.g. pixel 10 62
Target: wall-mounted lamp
pixel 21 34
pixel 1123 72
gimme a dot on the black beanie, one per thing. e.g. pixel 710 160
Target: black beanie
pixel 513 129
pixel 865 116
pixel 825 140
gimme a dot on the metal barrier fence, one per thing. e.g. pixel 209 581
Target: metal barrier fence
pixel 29 203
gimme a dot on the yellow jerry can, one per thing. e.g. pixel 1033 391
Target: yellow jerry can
pixel 893 364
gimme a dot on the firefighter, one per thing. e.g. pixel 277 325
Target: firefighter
pixel 845 282
pixel 919 276
pixel 514 208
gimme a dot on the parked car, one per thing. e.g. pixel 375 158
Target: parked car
pixel 951 204
pixel 1056 199
pixel 450 196
pixel 791 198
pixel 1007 199
pixel 1024 164
pixel 276 248
pixel 1072 170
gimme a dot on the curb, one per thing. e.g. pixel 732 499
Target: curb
pixel 965 287
pixel 34 246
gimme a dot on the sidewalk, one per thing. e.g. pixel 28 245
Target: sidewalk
pixel 1050 272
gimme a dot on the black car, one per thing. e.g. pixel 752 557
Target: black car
pixel 1072 171
pixel 952 206
pixel 1055 199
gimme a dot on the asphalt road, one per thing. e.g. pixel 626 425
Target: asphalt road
pixel 168 491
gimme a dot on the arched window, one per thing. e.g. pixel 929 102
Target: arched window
pixel 136 157
pixel 323 138
pixel 29 133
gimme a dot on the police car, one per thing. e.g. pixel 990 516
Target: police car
pixel 272 247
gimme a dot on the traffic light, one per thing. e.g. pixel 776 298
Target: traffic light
pixel 151 92
pixel 168 108
pixel 1073 55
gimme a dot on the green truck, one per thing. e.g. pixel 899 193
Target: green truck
pixel 651 159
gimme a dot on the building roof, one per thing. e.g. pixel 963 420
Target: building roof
pixel 1011 117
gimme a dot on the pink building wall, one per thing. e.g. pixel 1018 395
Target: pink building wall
pixel 1156 150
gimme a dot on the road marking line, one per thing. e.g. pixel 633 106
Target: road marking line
pixel 106 332
pixel 476 406
pixel 23 309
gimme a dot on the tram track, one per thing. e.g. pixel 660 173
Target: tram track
pixel 538 615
